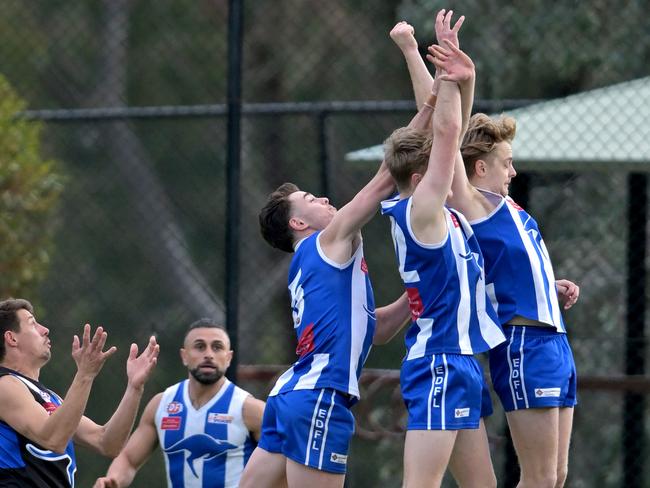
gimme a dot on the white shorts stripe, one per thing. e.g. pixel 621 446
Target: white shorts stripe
pixel 512 388
pixel 311 429
pixel 327 421
pixel 443 405
pixel 521 369
pixel 433 383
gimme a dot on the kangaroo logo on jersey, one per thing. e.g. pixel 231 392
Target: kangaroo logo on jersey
pixel 200 446
pixel 45 455
pixel 306 341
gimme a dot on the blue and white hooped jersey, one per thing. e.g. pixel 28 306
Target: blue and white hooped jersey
pixel 207 447
pixel 333 311
pixel 518 267
pixel 445 285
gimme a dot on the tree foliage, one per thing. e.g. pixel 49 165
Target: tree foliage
pixel 29 191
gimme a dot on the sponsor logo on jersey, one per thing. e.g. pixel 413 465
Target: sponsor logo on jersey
pixel 170 423
pixel 174 407
pixel 364 265
pixel 461 412
pixel 547 392
pixel 50 407
pixel 339 458
pixel 415 303
pixel 45 396
pixel 454 220
pixel 219 418
pixel 306 341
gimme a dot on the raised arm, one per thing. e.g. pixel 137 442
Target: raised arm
pixel 427 215
pixel 445 33
pixel 340 238
pixel 142 443
pixel 403 35
pixel 464 197
pixel 53 432
pixel 108 439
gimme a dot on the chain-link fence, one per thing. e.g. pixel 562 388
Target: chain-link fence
pixel 132 97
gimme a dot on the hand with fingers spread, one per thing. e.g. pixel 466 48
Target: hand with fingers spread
pixel 455 64
pixel 403 34
pixel 89 354
pixel 444 30
pixel 139 368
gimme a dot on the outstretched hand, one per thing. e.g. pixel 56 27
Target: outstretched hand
pixel 89 354
pixel 454 63
pixel 139 368
pixel 403 34
pixel 444 30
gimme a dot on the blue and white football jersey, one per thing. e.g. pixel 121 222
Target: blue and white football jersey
pixel 518 268
pixel 207 447
pixel 333 311
pixel 445 286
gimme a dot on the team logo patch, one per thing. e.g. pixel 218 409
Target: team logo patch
pixel 547 392
pixel 50 407
pixel 461 412
pixel 415 303
pixel 515 205
pixel 364 265
pixel 174 407
pixel 170 423
pixel 219 418
pixel 200 446
pixel 339 458
pixel 306 341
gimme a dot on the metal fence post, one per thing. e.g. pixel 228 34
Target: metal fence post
pixel 235 40
pixel 634 405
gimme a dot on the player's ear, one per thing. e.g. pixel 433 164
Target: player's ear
pixel 480 167
pixel 183 354
pixel 415 179
pixel 296 223
pixel 10 338
pixel 229 358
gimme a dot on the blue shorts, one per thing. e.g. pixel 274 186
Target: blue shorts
pixel 442 392
pixel 486 399
pixel 534 368
pixel 310 427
